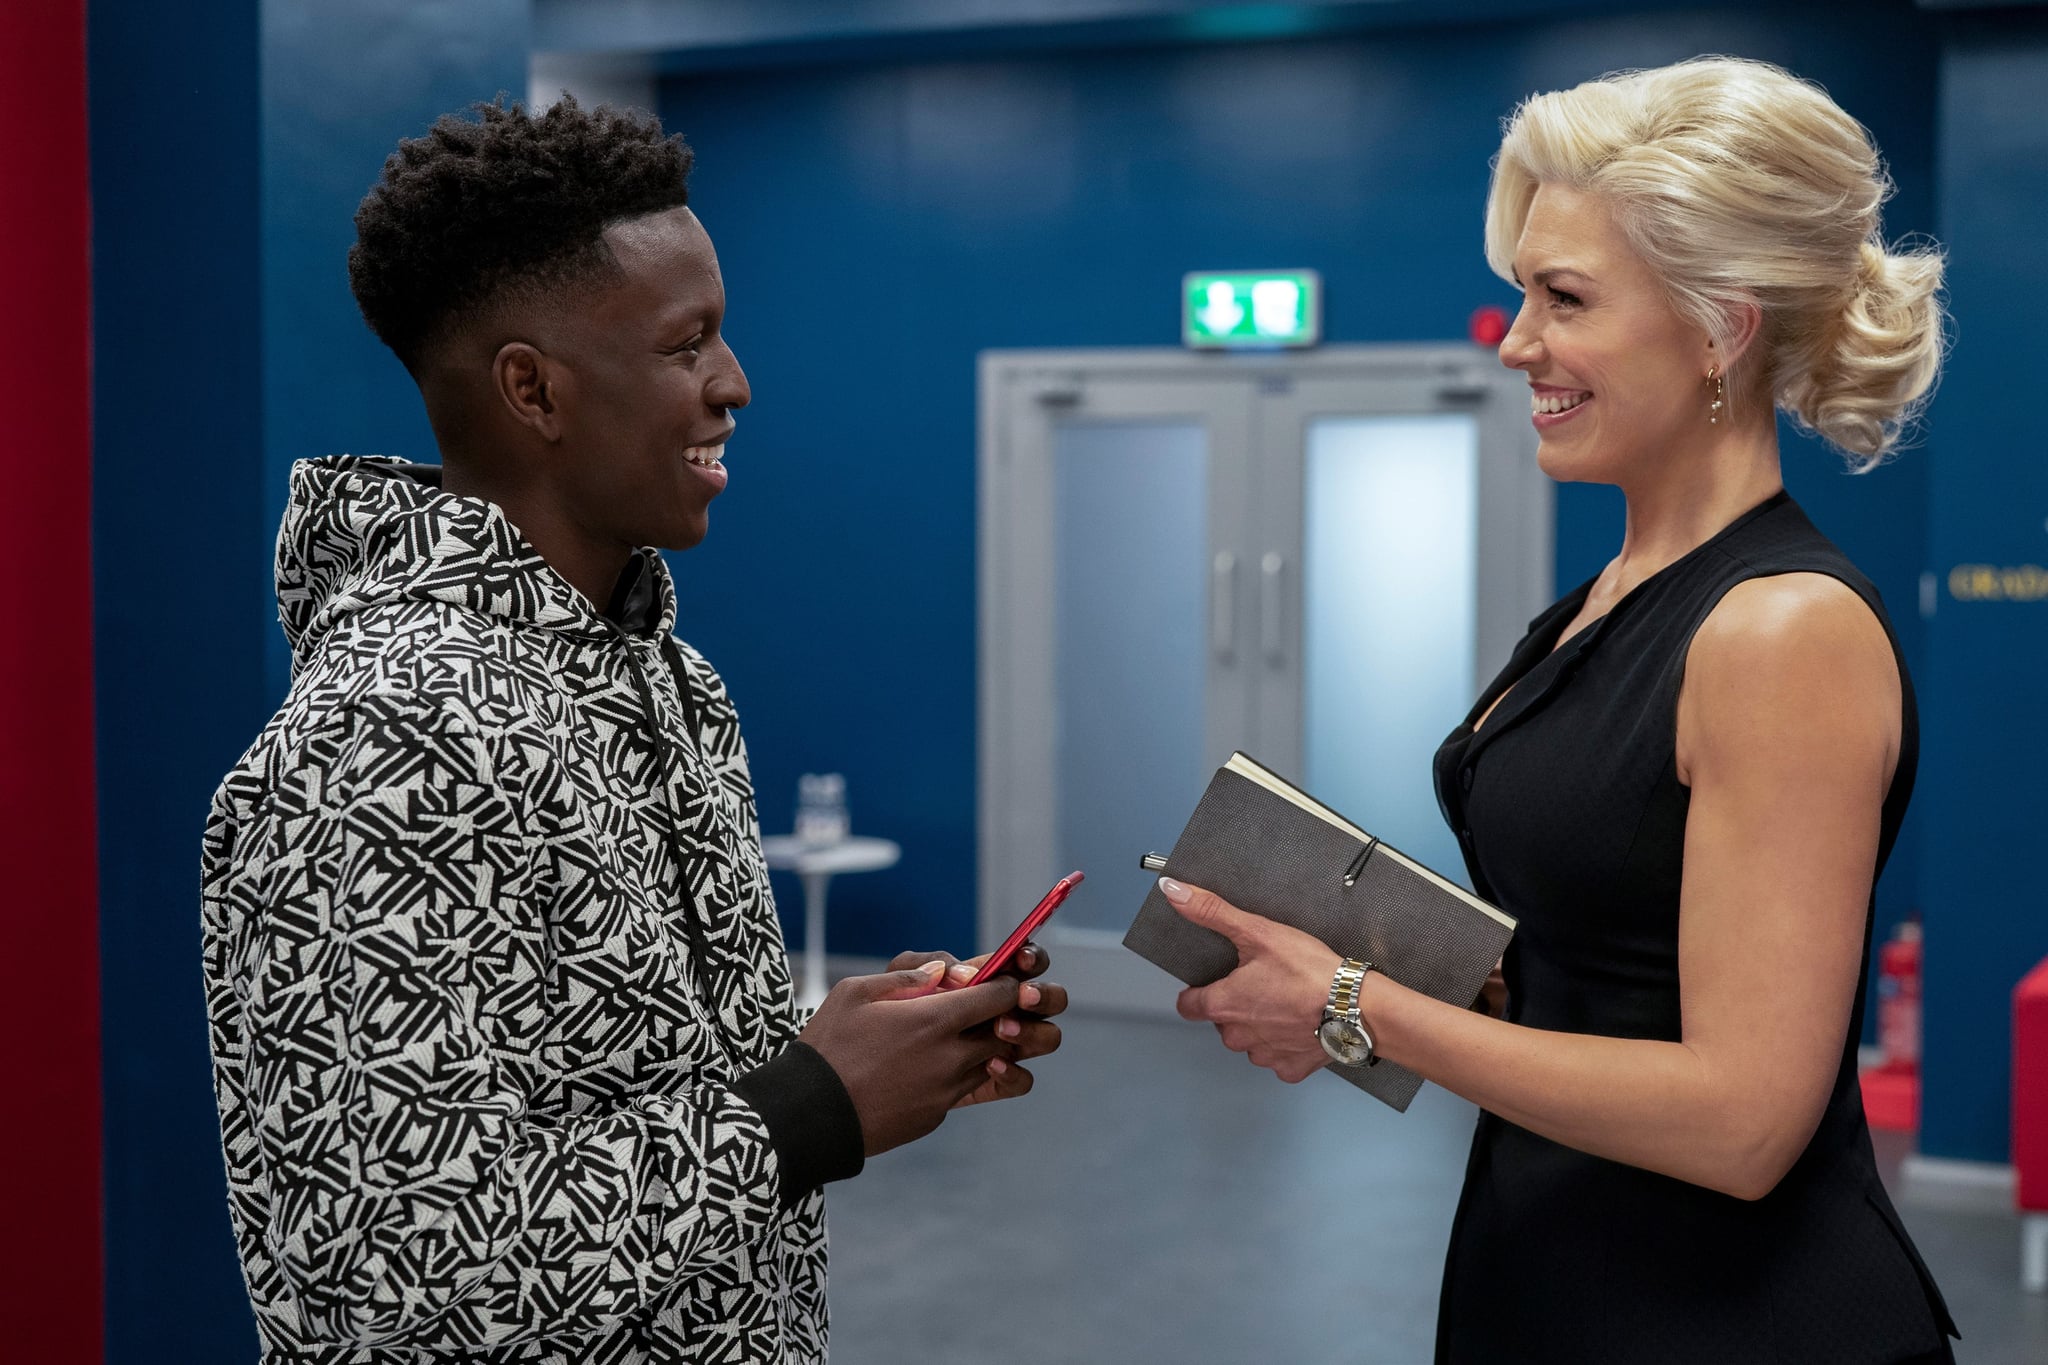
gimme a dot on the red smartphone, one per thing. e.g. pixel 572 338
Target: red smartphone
pixel 1003 956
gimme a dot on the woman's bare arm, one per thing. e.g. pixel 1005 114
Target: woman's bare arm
pixel 1788 734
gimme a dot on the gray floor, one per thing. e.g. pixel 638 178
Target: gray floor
pixel 1159 1199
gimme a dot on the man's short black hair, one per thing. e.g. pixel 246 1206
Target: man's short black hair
pixel 504 203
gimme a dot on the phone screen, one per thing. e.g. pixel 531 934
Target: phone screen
pixel 1003 956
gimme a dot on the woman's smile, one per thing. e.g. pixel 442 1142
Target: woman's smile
pixel 1550 405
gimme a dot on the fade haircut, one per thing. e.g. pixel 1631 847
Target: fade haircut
pixel 503 206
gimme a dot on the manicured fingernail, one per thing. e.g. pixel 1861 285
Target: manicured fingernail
pixel 960 972
pixel 1175 892
pixel 932 968
pixel 997 1066
pixel 1030 996
pixel 1008 1028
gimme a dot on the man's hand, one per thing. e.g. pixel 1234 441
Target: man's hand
pixel 1028 1029
pixel 1269 1007
pixel 905 1050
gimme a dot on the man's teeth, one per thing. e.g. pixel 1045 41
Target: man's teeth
pixel 705 455
pixel 1557 402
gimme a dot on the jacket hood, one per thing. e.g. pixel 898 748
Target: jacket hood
pixel 360 531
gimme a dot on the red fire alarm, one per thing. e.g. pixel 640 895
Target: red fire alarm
pixel 1489 325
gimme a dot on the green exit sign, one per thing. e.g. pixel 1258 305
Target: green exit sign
pixel 1244 308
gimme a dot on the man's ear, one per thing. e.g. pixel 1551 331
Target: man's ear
pixel 1745 320
pixel 530 386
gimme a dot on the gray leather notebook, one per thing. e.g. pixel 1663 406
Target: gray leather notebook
pixel 1266 846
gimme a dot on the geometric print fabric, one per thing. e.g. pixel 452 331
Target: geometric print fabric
pixel 488 937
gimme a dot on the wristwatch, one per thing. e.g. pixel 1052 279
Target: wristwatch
pixel 1342 1033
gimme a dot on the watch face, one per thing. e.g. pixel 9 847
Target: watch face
pixel 1345 1042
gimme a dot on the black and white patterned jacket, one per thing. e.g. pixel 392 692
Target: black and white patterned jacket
pixel 501 1015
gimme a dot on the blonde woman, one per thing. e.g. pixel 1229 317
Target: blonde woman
pixel 1690 773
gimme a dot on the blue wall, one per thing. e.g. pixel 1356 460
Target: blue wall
pixel 181 603
pixel 341 85
pixel 1986 798
pixel 880 224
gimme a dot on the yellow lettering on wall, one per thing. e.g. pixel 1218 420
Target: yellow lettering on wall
pixel 1990 583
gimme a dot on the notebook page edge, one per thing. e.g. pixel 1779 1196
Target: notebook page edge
pixel 1249 768
pixel 1505 920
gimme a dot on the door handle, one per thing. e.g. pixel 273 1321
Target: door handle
pixel 1223 604
pixel 1270 569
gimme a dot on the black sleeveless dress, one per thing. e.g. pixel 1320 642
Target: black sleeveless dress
pixel 1571 816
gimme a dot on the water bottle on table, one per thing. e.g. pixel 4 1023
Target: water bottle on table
pixel 821 816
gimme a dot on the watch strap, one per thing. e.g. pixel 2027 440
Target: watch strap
pixel 1343 989
pixel 1346 987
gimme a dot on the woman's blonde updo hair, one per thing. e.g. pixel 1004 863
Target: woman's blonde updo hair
pixel 1736 181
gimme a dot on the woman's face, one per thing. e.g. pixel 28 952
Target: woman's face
pixel 1617 378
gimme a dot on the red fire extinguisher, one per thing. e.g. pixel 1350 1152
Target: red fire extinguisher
pixel 1898 1000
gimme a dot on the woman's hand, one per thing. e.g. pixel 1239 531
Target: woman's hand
pixel 1272 1005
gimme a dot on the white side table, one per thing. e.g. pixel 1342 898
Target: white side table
pixel 816 867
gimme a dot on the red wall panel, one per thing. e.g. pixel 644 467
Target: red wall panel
pixel 49 991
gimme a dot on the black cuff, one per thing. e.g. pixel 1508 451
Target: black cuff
pixel 810 1117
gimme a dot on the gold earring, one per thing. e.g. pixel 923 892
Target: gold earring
pixel 1720 393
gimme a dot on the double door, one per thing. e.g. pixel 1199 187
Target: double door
pixel 1313 557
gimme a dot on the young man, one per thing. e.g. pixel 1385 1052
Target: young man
pixel 504 1047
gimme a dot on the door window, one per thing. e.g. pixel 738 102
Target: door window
pixel 1389 589
pixel 1131 533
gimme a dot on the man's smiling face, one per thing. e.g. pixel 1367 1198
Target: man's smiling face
pixel 645 389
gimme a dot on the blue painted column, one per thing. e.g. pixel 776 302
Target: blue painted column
pixel 1985 780
pixel 180 609
pixel 230 145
